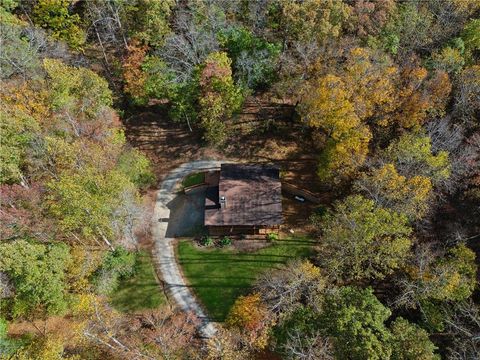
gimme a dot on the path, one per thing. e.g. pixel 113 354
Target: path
pixel 164 249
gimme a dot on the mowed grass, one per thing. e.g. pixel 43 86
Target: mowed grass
pixel 141 291
pixel 219 276
pixel 193 179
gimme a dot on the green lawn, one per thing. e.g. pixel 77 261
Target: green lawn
pixel 219 276
pixel 193 179
pixel 141 291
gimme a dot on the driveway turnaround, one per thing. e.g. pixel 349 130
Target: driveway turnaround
pixel 164 250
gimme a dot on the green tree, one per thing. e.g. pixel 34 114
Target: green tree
pixel 137 167
pixel 471 38
pixel 54 15
pixel 38 274
pixel 410 342
pixel 360 241
pixel 89 203
pixel 254 59
pixel 355 319
pixel 147 20
pixel 78 90
pixel 17 131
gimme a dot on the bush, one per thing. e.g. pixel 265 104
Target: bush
pixel 226 241
pixel 272 236
pixel 206 241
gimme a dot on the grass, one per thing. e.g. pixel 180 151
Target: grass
pixel 193 179
pixel 219 276
pixel 141 291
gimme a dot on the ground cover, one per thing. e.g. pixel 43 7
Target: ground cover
pixel 219 275
pixel 193 179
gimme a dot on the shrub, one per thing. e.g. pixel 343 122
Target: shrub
pixel 226 241
pixel 206 241
pixel 272 236
pixel 117 264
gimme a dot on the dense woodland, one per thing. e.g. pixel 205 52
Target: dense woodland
pixel 385 93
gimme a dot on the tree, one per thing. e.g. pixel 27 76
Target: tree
pixel 410 342
pixel 412 156
pixel 148 20
pixel 254 59
pixel 327 106
pixel 467 95
pixel 87 203
pixel 388 189
pixel 282 290
pixel 77 91
pixel 367 17
pixel 250 315
pixel 421 95
pixel 448 276
pixel 17 131
pixel 463 321
pixel 133 75
pixel 220 98
pixel 471 38
pixel 54 15
pixel 137 167
pixel 299 336
pixel 360 241
pixel 355 320
pixel 448 59
pixel 340 160
pixel 38 274
pixel 312 20
pixel 371 79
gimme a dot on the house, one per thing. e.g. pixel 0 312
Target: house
pixel 246 200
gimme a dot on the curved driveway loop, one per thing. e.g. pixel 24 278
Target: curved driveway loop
pixel 164 250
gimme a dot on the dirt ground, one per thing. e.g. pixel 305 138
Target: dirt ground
pixel 262 132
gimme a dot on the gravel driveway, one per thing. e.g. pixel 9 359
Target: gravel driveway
pixel 163 233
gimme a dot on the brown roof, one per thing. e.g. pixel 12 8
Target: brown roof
pixel 253 196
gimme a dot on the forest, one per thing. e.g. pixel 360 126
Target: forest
pixel 370 106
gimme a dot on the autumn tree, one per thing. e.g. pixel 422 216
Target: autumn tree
pixel 250 315
pixel 462 321
pixel 361 241
pixel 133 75
pixel 220 98
pixel 311 20
pixel 90 203
pixel 327 106
pixel 412 155
pixel 367 17
pixel 388 189
pixel 434 276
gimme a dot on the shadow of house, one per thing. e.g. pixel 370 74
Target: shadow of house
pixel 186 214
